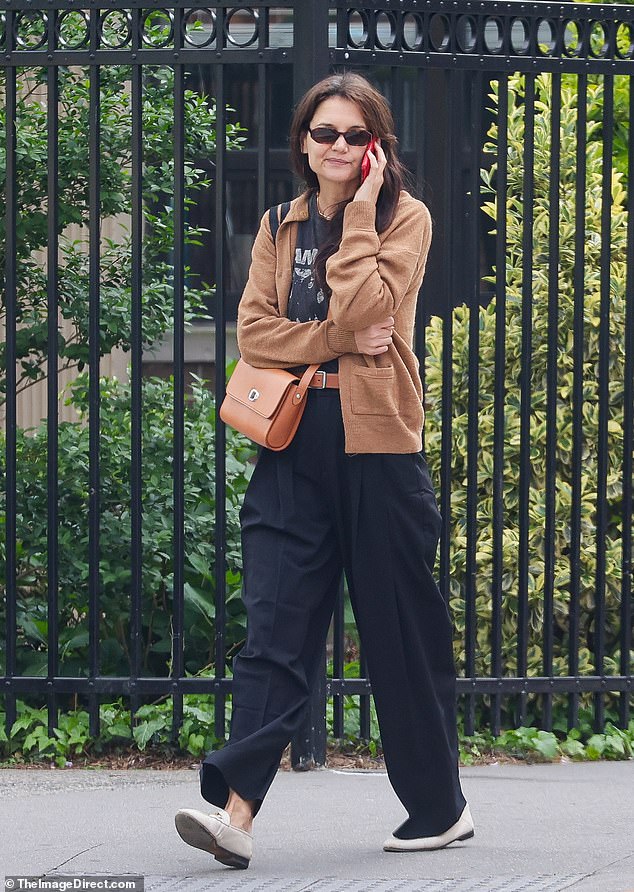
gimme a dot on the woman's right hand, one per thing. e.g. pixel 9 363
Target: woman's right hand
pixel 375 338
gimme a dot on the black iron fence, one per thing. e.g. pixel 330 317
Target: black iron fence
pixel 513 119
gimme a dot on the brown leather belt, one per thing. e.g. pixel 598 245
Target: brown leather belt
pixel 321 380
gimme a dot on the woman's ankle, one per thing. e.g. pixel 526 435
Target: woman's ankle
pixel 240 810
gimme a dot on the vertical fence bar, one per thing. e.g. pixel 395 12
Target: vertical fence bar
pixel 577 396
pixel 395 98
pixel 339 632
pixel 500 391
pixel 525 390
pixel 338 671
pixel 342 27
pixel 473 263
pixel 419 146
pixel 10 279
pixel 364 700
pixel 178 458
pixel 628 436
pixel 551 393
pixel 94 177
pixel 308 747
pixel 262 27
pixel 604 394
pixel 263 139
pixel 136 356
pixel 500 357
pixel 311 63
pixel 262 101
pixel 310 30
pixel 220 441
pixel 52 279
pixel 447 347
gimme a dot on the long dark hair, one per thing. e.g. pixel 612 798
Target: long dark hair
pixel 378 119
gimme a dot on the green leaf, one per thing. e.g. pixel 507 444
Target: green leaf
pixel 546 744
pixel 201 601
pixel 143 733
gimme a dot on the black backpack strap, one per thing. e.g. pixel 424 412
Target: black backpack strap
pixel 276 215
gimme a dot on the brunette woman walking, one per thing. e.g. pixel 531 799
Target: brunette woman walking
pixel 334 280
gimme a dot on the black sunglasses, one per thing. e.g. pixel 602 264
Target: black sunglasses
pixel 328 136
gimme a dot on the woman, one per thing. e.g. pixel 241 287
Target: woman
pixel 338 285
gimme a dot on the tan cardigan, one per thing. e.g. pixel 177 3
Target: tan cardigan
pixel 372 277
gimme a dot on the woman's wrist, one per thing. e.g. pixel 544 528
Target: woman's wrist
pixel 340 340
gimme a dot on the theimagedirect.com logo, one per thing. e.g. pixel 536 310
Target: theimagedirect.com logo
pixel 64 883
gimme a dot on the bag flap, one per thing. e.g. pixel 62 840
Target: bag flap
pixel 259 389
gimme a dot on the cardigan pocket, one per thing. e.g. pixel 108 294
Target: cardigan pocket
pixel 372 391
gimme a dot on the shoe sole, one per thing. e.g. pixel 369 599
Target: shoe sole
pixel 191 832
pixel 468 835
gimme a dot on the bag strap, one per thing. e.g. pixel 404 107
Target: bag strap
pixel 302 387
pixel 276 215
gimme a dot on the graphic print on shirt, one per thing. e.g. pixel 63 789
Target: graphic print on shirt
pixel 306 303
pixel 304 258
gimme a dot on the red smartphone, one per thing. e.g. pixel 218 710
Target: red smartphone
pixel 365 163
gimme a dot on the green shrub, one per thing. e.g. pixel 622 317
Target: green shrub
pixel 28 740
pixel 115 561
pixel 115 184
pixel 593 321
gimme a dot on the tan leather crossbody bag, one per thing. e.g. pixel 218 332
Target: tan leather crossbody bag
pixel 266 404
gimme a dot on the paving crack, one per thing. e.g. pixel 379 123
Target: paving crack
pixel 316 884
pixel 76 855
pixel 603 867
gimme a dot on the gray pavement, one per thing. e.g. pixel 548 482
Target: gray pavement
pixel 538 827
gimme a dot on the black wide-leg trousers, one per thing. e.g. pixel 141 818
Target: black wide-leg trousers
pixel 310 512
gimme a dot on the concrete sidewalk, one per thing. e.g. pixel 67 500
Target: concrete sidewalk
pixel 538 827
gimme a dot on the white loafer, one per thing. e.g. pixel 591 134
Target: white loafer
pixel 214 834
pixel 462 829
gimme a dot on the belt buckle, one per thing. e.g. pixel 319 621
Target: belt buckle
pixel 321 386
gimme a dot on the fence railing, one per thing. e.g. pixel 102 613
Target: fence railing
pixel 513 119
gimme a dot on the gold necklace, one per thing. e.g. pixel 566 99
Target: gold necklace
pixel 319 210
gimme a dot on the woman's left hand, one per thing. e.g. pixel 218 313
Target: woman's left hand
pixel 371 186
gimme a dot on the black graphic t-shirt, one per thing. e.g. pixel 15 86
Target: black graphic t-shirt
pixel 307 302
